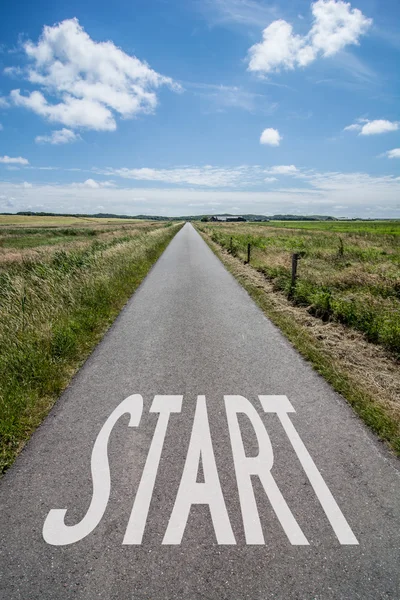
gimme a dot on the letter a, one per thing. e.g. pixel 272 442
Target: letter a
pixel 190 492
pixel 55 532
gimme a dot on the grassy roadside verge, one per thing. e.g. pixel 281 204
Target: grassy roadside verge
pixel 53 311
pixel 344 372
pixel 352 279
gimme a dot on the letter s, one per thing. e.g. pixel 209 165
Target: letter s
pixel 55 532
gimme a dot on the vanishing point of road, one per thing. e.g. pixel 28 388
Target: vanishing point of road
pixel 197 456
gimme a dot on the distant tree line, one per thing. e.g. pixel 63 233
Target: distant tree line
pixel 204 218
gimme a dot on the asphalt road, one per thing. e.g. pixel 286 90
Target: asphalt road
pixel 231 499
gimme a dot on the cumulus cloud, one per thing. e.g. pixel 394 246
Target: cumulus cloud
pixel 271 137
pixel 91 183
pixel 74 112
pixel 335 26
pixel 8 160
pixel 366 127
pixel 378 126
pixel 94 185
pixel 61 136
pixel 395 153
pixel 95 81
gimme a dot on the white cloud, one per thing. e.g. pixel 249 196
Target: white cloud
pixel 6 203
pixel 94 80
pixel 73 112
pixel 207 176
pixel 353 127
pixel 60 136
pixel 93 185
pixel 90 183
pixel 283 170
pixel 366 127
pixel 271 137
pixel 4 102
pixel 395 153
pixel 8 160
pixel 378 126
pixel 13 71
pixel 279 49
pixel 341 194
pixel 335 26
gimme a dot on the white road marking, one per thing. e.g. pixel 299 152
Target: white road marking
pixel 164 405
pixel 260 465
pixel 190 492
pixel 281 406
pixel 55 531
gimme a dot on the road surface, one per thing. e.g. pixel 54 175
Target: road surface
pixel 197 456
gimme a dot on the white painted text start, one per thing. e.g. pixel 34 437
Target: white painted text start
pixel 208 492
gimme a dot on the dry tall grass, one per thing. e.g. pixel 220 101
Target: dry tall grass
pixel 55 303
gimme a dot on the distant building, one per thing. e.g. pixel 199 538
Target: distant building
pixel 228 219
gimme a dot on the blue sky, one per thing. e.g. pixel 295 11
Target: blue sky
pixel 201 106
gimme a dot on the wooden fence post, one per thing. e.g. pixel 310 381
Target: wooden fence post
pixel 295 259
pixel 231 247
pixel 248 253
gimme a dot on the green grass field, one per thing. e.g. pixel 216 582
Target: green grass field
pixel 352 277
pixel 59 291
pixel 353 227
